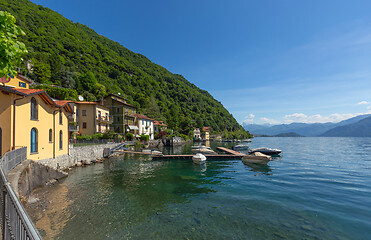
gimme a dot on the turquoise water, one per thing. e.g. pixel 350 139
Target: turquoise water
pixel 319 189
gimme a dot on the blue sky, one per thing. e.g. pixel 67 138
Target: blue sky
pixel 266 61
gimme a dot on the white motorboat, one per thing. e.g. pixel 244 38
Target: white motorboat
pixel 199 158
pixel 246 140
pixel 202 149
pixel 266 151
pixel 240 147
pixel 257 158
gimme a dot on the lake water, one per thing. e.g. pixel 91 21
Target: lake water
pixel 319 189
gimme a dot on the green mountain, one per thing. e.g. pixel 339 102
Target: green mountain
pixel 361 128
pixel 73 56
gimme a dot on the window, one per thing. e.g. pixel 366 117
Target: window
pixel 60 140
pixel 117 109
pixel 34 140
pixel 84 112
pixel 34 113
pixel 22 84
pixel 50 135
pixel 60 117
pixel 99 128
pixel 77 112
pixel 84 125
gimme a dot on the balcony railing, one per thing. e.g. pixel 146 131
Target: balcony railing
pixel 73 128
pixel 105 119
pixel 71 117
pixel 129 114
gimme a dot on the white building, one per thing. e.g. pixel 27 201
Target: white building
pixel 145 125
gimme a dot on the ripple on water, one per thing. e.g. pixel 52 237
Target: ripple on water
pixel 319 189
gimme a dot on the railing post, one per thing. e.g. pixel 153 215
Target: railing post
pixel 3 213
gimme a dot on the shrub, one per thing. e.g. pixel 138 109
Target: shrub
pixel 97 136
pixel 144 137
pixel 129 136
pixel 84 137
pixel 109 134
pixel 185 137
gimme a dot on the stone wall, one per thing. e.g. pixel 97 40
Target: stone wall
pixel 35 175
pixel 77 154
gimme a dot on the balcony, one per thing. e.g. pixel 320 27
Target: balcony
pixel 128 114
pixel 71 117
pixel 104 119
pixel 73 128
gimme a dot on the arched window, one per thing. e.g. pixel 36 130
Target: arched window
pixel 34 140
pixel 34 113
pixel 50 135
pixel 60 116
pixel 60 140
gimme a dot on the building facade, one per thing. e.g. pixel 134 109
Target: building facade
pixel 18 81
pixel 159 126
pixel 91 117
pixel 123 114
pixel 30 118
pixel 145 125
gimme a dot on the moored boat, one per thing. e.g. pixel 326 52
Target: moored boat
pixel 202 149
pixel 257 158
pixel 266 151
pixel 240 147
pixel 199 158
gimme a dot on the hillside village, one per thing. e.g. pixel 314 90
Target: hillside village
pixel 51 124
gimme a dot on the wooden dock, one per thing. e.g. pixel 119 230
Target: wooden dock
pixel 140 153
pixel 231 155
pixel 235 153
pixel 189 157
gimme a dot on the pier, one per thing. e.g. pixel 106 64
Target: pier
pixel 231 155
pixel 235 153
pixel 189 157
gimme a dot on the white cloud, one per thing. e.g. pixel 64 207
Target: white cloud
pixel 318 118
pixel 363 102
pixel 249 119
pixel 268 120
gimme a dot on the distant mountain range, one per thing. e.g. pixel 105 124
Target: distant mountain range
pixel 349 127
pixel 361 128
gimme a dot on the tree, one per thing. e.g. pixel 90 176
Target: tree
pixel 11 50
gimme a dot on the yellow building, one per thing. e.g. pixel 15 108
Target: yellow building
pixel 91 117
pixel 17 82
pixel 29 117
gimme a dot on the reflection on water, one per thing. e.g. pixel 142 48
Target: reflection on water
pixel 259 168
pixel 314 193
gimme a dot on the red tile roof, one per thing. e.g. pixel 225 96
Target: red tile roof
pixel 61 103
pixel 206 129
pixel 87 103
pixel 43 95
pixel 159 123
pixel 29 91
pixel 143 117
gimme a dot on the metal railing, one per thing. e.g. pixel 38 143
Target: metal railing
pixel 73 128
pixel 15 222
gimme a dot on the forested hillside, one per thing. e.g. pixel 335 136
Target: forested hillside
pixel 71 55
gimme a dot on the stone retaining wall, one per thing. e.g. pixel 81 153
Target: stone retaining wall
pixel 77 154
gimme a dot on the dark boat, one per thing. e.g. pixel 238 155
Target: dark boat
pixel 266 151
